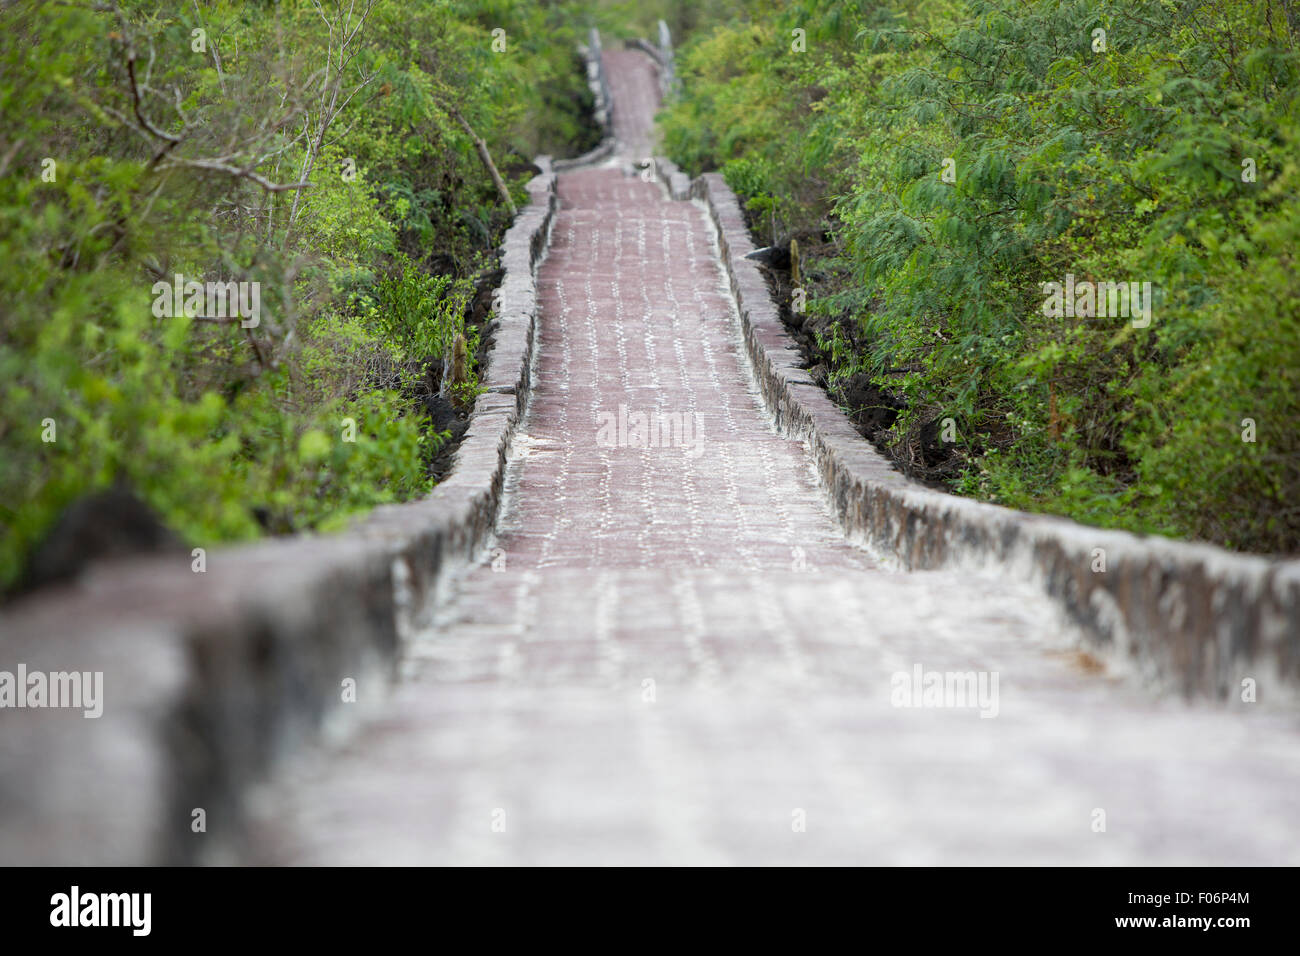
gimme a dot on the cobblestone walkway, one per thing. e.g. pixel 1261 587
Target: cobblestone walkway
pixel 673 656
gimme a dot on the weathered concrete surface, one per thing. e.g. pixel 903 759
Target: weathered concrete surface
pixel 673 655
pixel 210 678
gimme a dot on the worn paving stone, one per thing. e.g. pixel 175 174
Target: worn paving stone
pixel 672 655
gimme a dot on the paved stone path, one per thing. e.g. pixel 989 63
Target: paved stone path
pixel 673 656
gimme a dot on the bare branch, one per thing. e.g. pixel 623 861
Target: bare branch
pixel 9 154
pixel 216 57
pixel 236 171
pixel 481 146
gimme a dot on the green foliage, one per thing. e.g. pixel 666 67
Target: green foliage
pixel 1122 163
pixel 419 313
pixel 365 275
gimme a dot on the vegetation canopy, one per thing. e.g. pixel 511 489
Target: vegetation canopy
pixel 950 160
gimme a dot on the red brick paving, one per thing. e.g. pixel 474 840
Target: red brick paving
pixel 673 655
pixel 635 92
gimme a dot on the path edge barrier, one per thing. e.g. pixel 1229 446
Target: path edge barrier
pixel 1190 617
pixel 210 679
pixel 602 107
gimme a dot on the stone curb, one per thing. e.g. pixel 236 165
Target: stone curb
pixel 645 46
pixel 677 182
pixel 663 56
pixel 1191 617
pixel 600 153
pixel 598 81
pixel 209 679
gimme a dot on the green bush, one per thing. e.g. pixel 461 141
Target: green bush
pixel 1117 157
pixel 131 153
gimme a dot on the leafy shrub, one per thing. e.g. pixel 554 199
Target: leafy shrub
pixel 170 159
pixel 1115 156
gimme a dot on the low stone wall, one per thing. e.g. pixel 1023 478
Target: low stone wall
pixel 210 678
pixel 603 109
pixel 676 181
pixel 1191 617
pixel 663 55
pixel 645 46
pixel 668 82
